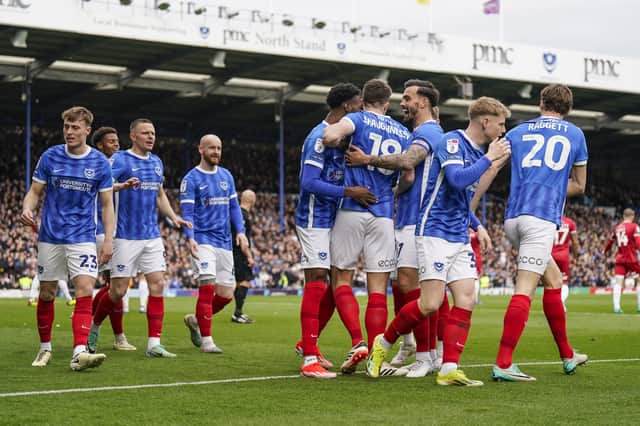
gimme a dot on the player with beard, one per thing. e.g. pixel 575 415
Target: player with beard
pixel 209 200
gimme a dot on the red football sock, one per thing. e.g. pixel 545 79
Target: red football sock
pixel 219 303
pixel 327 306
pixel 434 320
pixel 398 297
pixel 420 331
pixel 204 309
pixel 514 321
pixel 155 315
pixel 309 308
pixel 557 319
pixel 408 317
pixel 443 316
pixel 104 307
pixel 455 335
pixel 349 311
pixel 375 317
pixel 81 320
pixel 116 317
pixel 96 298
pixel 45 312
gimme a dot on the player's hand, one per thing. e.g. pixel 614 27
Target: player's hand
pixel 193 248
pixel 180 222
pixel 105 252
pixel 130 183
pixel 242 242
pixel 498 150
pixel 250 261
pixel 484 239
pixel 361 194
pixel 27 219
pixel 355 157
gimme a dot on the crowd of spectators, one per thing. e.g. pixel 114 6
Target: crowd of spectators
pixel 275 247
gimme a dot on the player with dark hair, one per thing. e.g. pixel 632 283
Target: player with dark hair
pixel 321 188
pixel 366 230
pixel 418 102
pixel 107 141
pixel 548 164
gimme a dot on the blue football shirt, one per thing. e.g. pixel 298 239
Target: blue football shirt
pixel 72 186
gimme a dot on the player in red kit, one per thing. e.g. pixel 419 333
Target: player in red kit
pixel 626 235
pixel 565 235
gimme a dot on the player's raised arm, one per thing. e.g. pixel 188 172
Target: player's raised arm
pixel 30 203
pixel 334 133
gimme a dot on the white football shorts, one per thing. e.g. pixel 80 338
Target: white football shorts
pixel 533 238
pixel 355 232
pixel 315 243
pixel 133 256
pixel 214 263
pixel 63 261
pixel 442 260
pixel 406 251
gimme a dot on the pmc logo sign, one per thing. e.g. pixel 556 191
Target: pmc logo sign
pixel 20 4
pixel 490 54
pixel 598 67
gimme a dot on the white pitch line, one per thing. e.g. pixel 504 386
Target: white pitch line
pixel 252 379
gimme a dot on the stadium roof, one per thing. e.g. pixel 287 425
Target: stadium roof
pixel 194 88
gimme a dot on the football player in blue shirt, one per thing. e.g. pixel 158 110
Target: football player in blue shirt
pixel 445 257
pixel 321 188
pixel 73 174
pixel 209 200
pixel 107 141
pixel 418 101
pixel 361 229
pixel 548 163
pixel 138 245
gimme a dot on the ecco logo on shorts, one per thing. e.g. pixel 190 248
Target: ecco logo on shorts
pixel 387 263
pixel 530 260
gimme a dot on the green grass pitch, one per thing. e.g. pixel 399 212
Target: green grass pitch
pixel 603 392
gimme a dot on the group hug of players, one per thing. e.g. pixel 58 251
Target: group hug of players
pixel 354 164
pixel 358 161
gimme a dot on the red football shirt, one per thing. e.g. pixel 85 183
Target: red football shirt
pixel 626 235
pixel 563 239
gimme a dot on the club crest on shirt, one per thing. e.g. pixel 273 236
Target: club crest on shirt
pixel 319 146
pixel 224 185
pixel 438 266
pixel 452 146
pixel 158 171
pixel 89 173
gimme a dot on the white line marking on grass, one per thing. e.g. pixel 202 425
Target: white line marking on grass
pixel 251 379
pixel 152 385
